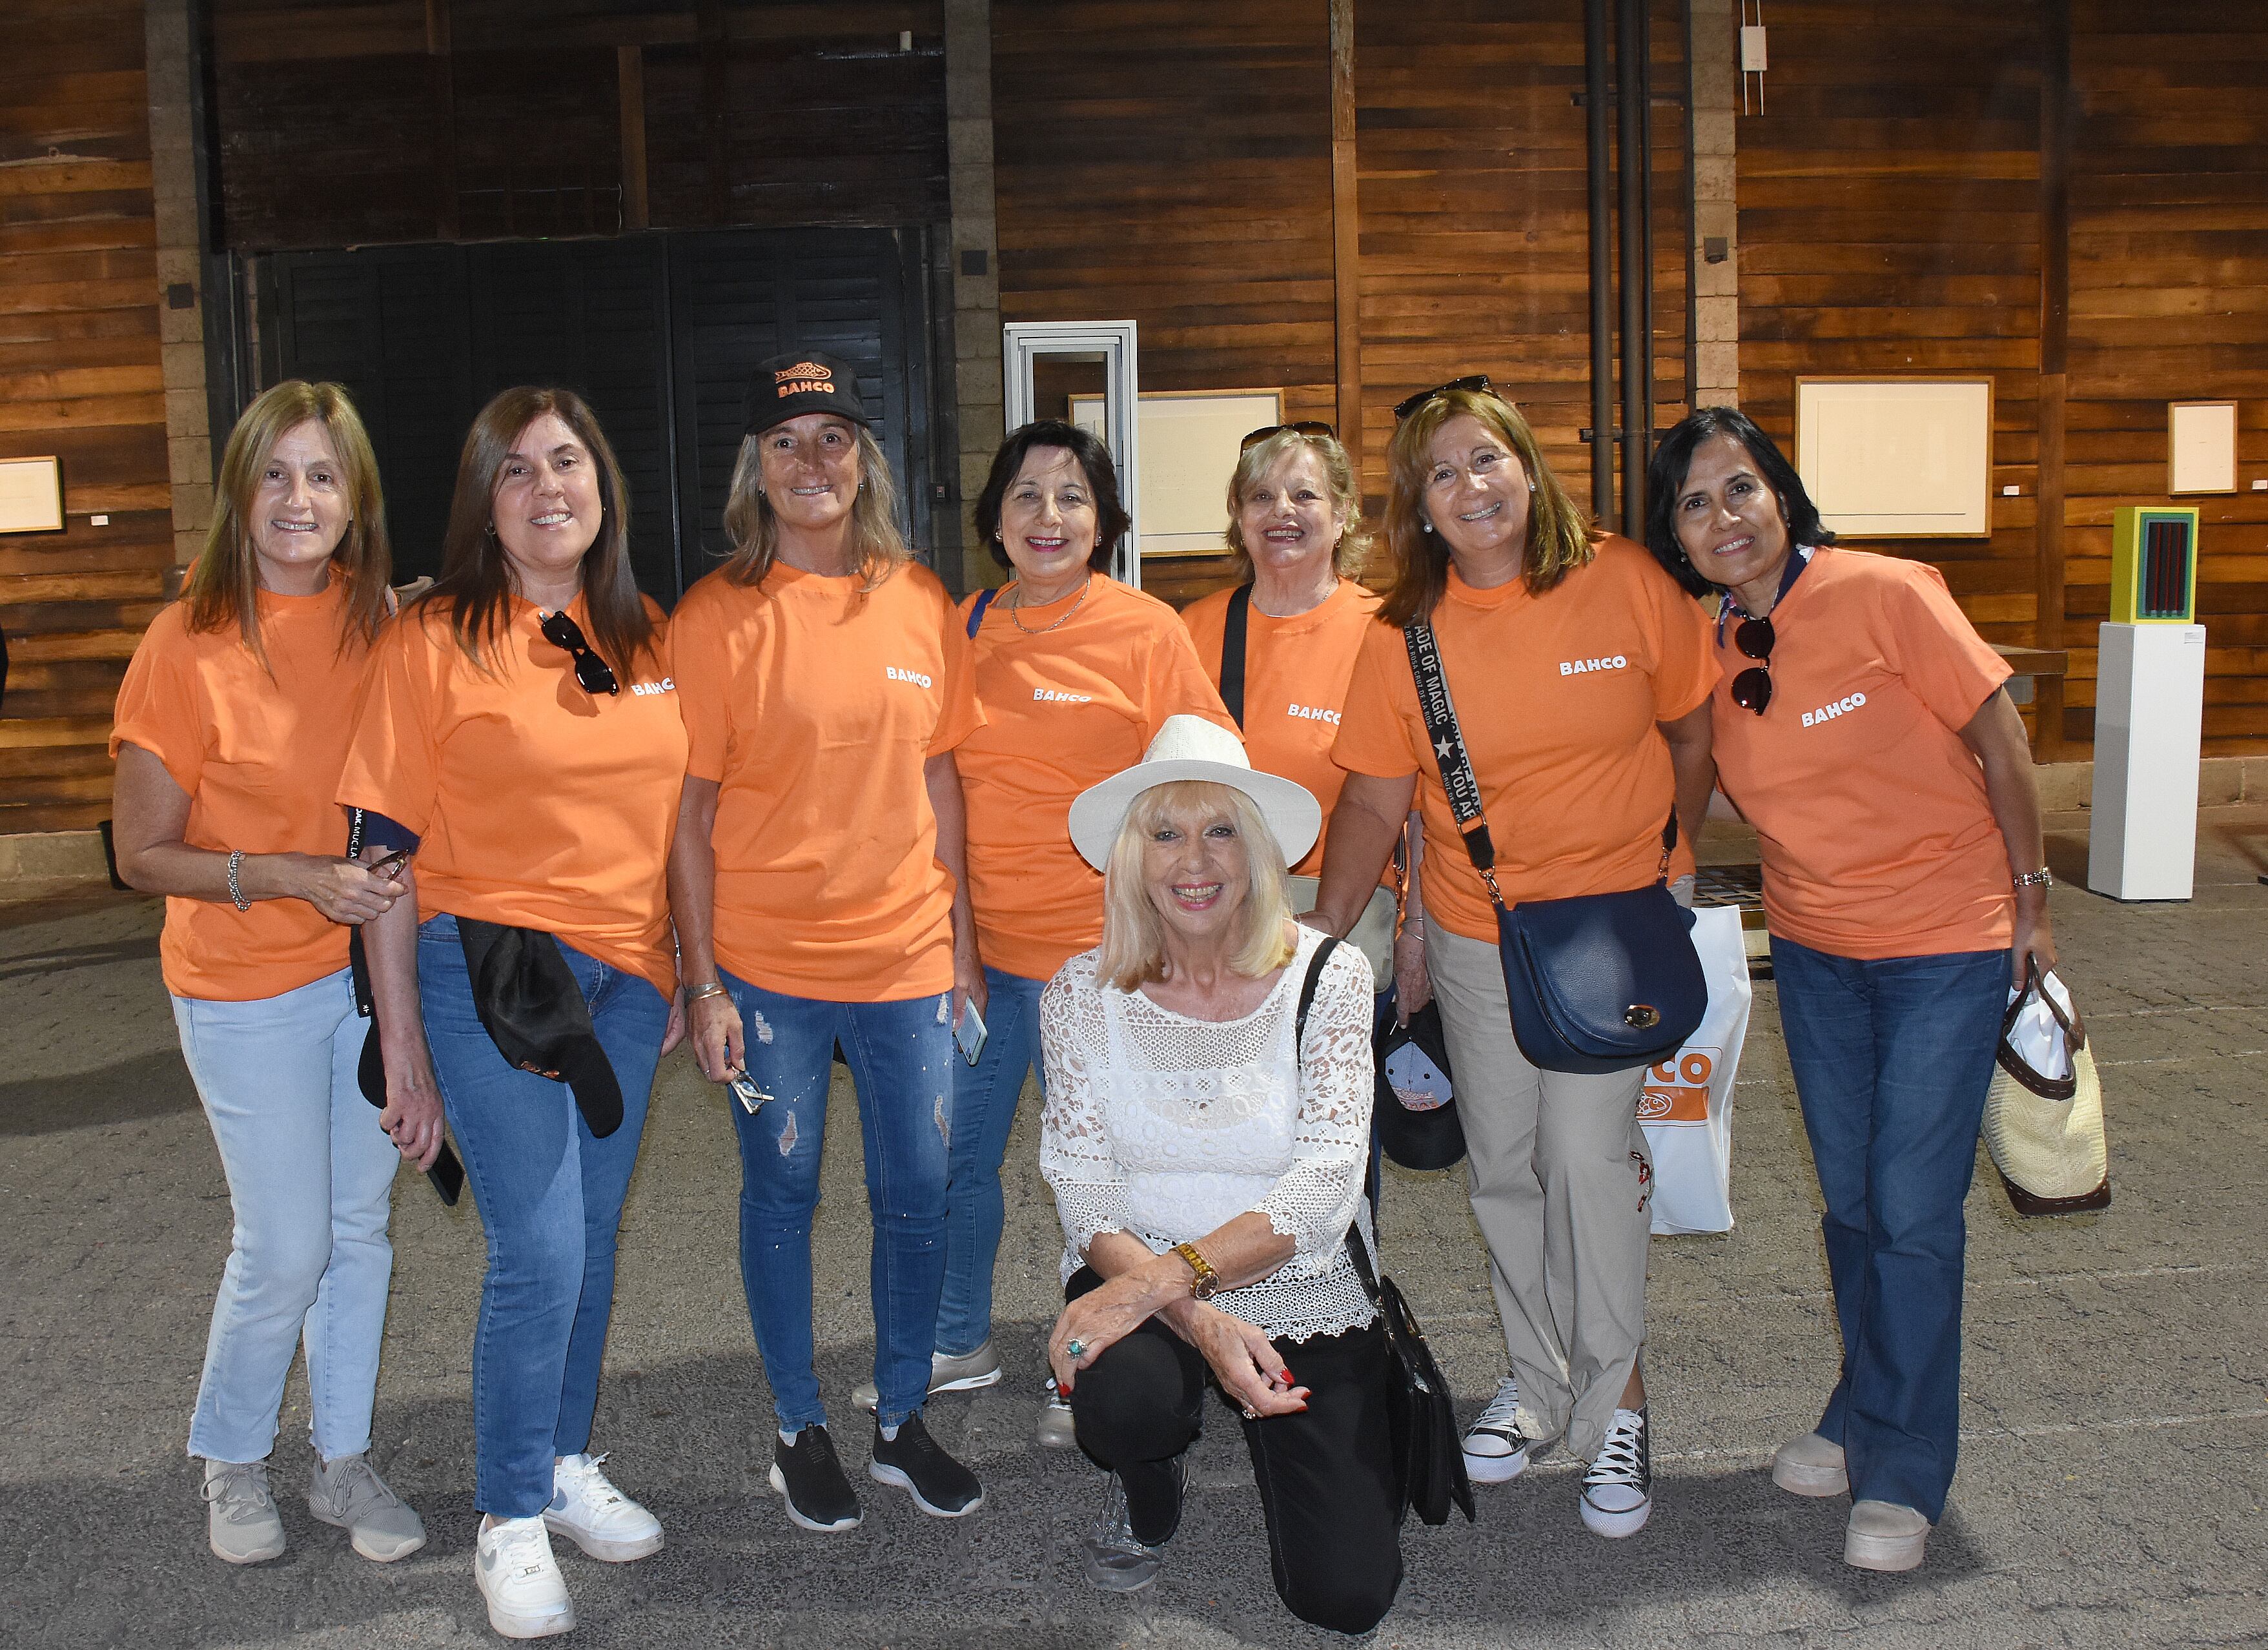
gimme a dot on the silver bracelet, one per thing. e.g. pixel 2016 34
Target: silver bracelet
pixel 236 888
pixel 2038 878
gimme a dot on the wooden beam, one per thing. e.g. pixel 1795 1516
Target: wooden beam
pixel 1346 236
pixel 716 100
pixel 441 82
pixel 2055 352
pixel 629 80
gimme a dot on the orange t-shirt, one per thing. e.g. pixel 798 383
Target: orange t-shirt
pixel 1063 710
pixel 259 757
pixel 539 805
pixel 1878 839
pixel 1558 697
pixel 814 709
pixel 1295 683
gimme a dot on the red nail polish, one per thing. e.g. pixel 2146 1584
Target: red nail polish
pixel 1285 1377
pixel 1061 1391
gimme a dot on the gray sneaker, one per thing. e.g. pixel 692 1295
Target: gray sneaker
pixel 1115 1562
pixel 349 1495
pixel 240 1518
pixel 946 1374
pixel 1056 1429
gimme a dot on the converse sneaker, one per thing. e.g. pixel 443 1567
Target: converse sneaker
pixel 1810 1465
pixel 914 1460
pixel 240 1518
pixel 1496 1450
pixel 810 1480
pixel 1115 1561
pixel 1055 1431
pixel 1883 1535
pixel 1618 1488
pixel 597 1517
pixel 519 1578
pixel 946 1374
pixel 349 1495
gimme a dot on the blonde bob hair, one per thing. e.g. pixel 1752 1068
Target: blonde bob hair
pixel 1133 930
pixel 878 547
pixel 224 586
pixel 1261 459
pixel 1560 539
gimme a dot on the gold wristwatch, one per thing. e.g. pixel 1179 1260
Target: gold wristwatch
pixel 1206 1284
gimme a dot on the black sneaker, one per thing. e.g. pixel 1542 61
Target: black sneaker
pixel 940 1485
pixel 810 1480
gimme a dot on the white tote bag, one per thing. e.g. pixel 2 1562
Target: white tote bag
pixel 1687 1104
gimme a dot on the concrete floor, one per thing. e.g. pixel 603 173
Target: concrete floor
pixel 2115 1460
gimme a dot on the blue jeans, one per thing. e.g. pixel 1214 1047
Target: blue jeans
pixel 984 1098
pixel 550 1196
pixel 902 1057
pixel 310 1179
pixel 1892 1059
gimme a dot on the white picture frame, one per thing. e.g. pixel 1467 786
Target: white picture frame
pixel 30 495
pixel 2200 446
pixel 1190 442
pixel 1897 458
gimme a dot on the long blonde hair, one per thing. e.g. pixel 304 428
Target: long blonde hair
pixel 1134 935
pixel 1261 459
pixel 1558 537
pixel 224 586
pixel 754 528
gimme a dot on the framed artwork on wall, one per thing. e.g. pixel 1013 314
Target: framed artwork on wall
pixel 1191 440
pixel 1904 458
pixel 2201 446
pixel 31 495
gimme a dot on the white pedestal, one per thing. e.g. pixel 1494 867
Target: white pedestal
pixel 2149 711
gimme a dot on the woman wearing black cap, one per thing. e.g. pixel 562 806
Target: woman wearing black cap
pixel 818 884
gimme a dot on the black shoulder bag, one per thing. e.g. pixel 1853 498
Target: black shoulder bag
pixel 1597 982
pixel 1429 1461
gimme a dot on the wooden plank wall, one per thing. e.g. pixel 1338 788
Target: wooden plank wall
pixel 80 377
pixel 2169 302
pixel 749 115
pixel 1201 204
pixel 1890 202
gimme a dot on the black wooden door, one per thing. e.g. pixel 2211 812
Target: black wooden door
pixel 657 331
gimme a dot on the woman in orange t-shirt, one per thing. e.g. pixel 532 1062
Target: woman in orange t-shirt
pixel 231 729
pixel 1075 673
pixel 1580 674
pixel 820 901
pixel 1862 729
pixel 518 730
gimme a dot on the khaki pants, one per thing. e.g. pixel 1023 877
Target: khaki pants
pixel 1560 1182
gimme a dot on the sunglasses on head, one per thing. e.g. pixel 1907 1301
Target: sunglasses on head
pixel 1305 427
pixel 593 673
pixel 1477 382
pixel 1752 687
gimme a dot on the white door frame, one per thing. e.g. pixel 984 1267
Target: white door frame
pixel 1112 343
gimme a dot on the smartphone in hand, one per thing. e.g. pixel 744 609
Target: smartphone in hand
pixel 969 1034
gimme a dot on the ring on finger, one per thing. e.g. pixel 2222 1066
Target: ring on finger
pixel 1076 1347
pixel 1251 1414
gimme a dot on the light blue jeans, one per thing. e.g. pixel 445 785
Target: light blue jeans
pixel 902 1057
pixel 984 1098
pixel 550 1196
pixel 310 1177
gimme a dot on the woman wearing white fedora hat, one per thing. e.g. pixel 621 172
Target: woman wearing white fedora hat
pixel 1207 1149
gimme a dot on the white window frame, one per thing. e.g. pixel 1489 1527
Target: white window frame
pixel 1113 342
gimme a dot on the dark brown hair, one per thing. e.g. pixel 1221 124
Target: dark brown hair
pixel 224 586
pixel 475 577
pixel 1558 538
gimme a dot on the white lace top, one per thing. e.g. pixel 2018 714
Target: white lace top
pixel 1168 1128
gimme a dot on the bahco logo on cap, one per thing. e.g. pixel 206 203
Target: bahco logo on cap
pixel 803 376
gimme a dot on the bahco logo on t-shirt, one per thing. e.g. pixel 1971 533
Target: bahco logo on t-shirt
pixel 1828 712
pixel 1312 713
pixel 1585 667
pixel 913 676
pixel 643 689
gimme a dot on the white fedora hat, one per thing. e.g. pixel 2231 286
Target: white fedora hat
pixel 1190 747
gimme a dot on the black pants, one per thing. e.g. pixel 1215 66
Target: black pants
pixel 1326 1477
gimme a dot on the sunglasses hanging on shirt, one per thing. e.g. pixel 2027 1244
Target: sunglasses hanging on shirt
pixel 595 674
pixel 1752 688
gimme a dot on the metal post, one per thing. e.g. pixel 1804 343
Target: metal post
pixel 1602 433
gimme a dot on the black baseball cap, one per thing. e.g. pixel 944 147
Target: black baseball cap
pixel 803 381
pixel 1416 1107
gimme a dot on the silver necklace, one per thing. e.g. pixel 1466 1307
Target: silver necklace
pixel 1044 629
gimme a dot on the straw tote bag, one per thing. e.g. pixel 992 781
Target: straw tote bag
pixel 2044 1113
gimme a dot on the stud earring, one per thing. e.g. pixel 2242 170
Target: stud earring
pixel 1425 526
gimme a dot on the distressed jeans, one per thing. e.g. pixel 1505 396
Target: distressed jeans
pixel 902 1059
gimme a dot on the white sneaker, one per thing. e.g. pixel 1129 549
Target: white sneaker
pixel 520 1579
pixel 1056 1429
pixel 1619 1489
pixel 1496 1451
pixel 596 1516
